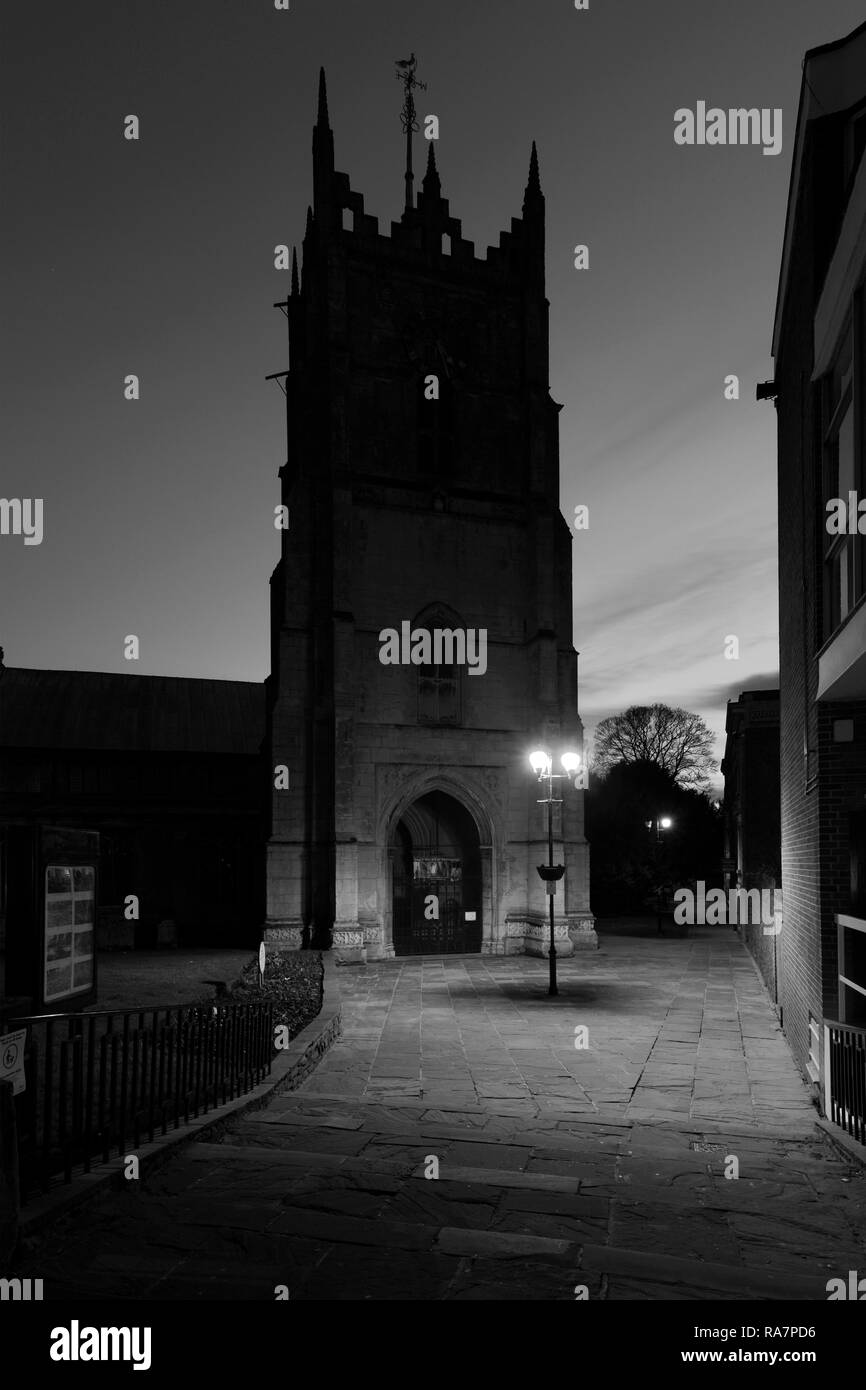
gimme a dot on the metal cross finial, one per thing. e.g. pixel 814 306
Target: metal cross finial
pixel 406 74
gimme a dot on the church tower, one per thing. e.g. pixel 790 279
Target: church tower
pixel 421 611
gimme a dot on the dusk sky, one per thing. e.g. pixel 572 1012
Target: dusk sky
pixel 156 258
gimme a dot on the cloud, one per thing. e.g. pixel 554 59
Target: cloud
pixel 715 696
pixel 683 580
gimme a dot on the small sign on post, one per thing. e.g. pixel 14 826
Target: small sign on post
pixel 12 1060
pixel 262 959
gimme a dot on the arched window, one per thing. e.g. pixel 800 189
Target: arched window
pixel 440 682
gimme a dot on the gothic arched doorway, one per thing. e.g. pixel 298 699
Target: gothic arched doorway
pixel 436 878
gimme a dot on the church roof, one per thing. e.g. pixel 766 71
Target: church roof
pixel 104 711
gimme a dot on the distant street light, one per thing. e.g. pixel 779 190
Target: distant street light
pixel 661 823
pixel 541 763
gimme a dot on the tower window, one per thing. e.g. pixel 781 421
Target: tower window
pixel 439 695
pixel 440 684
pixel 446 244
pixel 348 220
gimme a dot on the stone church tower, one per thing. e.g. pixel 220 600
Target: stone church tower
pixel 422 484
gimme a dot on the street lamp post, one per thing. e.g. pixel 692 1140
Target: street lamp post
pixel 550 873
pixel 661 823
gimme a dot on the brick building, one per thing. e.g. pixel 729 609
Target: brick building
pixel 422 484
pixel 752 816
pixel 819 347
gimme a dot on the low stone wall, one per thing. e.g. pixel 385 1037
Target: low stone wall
pixel 527 935
pixel 531 936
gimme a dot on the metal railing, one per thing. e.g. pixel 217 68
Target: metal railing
pixel 98 1084
pixel 845 1077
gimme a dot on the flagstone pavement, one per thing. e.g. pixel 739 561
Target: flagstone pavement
pixel 459 1142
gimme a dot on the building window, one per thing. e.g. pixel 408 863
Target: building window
pixel 439 695
pixel 843 474
pixel 440 683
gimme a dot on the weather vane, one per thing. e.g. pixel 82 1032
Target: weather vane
pixel 406 74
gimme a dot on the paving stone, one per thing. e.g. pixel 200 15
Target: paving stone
pixel 540 1279
pixel 704 1279
pixel 455 1119
pixel 509 1157
pixel 512 1107
pixel 499 1244
pixel 363 1274
pixel 349 1200
pixel 619 1289
pixel 350 1230
pixel 473 1134
pixel 298 1158
pixel 502 1178
pixel 434 1205
pixel 298 1121
pixel 282 1134
pixel 553 1227
pixel 405 1158
pixel 695 1236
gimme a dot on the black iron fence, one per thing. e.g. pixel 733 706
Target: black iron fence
pixel 100 1084
pixel 845 1062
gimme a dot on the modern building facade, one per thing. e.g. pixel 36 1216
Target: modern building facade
pixel 422 488
pixel 819 347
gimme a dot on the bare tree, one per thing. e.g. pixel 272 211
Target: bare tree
pixel 674 739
